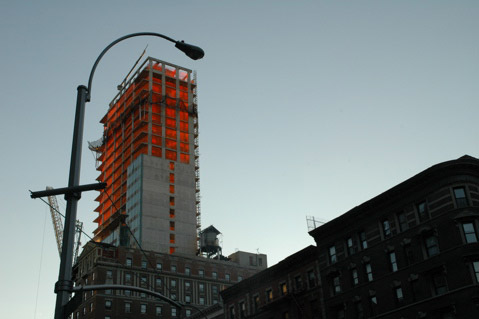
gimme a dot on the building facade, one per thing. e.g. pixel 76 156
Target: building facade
pixel 148 156
pixel 193 281
pixel 410 252
pixel 289 289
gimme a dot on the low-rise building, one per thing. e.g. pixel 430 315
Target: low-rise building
pixel 290 289
pixel 193 281
pixel 410 252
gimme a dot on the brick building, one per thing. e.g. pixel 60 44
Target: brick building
pixel 410 252
pixel 195 282
pixel 289 289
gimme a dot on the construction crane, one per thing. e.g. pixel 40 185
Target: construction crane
pixel 58 226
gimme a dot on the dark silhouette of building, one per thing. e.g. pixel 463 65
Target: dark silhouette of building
pixel 289 289
pixel 410 252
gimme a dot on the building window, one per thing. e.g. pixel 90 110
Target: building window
pixel 422 212
pixel 351 246
pixel 172 241
pixel 460 196
pixel 129 262
pixel 283 288
pixel 408 253
pixel 202 300
pixel 143 295
pixel 109 274
pixel 128 278
pixel 187 271
pixel 187 285
pixel 298 282
pixel 432 246
pixel 188 312
pixel 201 288
pixel 158 283
pixel 364 241
pixel 256 303
pixel 201 272
pixel 393 261
pixel 227 277
pixel 127 307
pixel 173 283
pixel 108 304
pixel 240 278
pixel 439 283
pixel 173 296
pixel 159 266
pixel 143 308
pixel 269 295
pixel 214 289
pixel 475 267
pixel 355 276
pixel 143 280
pixel 173 311
pixel 143 264
pixel 91 306
pixel 402 219
pixel 232 312
pixel 242 310
pixel 369 271
pixel 108 291
pixel 386 228
pixel 358 306
pixel 158 311
pixel 469 232
pixel 399 294
pixel 173 267
pixel 187 298
pixel 373 302
pixel 332 254
pixel 127 293
pixel 336 285
pixel 311 279
pixel 339 312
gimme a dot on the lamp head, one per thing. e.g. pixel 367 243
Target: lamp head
pixel 192 51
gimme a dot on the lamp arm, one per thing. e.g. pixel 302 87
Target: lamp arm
pixel 90 79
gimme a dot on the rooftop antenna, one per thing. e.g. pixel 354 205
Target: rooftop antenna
pixel 122 84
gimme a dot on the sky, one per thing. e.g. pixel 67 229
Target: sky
pixel 306 108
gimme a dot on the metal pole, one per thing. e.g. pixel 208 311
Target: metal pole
pixel 64 285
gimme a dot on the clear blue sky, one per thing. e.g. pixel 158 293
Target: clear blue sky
pixel 306 108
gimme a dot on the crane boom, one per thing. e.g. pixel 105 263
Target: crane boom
pixel 57 222
pixel 58 226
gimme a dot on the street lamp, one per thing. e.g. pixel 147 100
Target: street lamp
pixel 64 285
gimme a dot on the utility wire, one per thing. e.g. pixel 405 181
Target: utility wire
pixel 89 237
pixel 40 266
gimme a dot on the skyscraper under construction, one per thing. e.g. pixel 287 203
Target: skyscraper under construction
pixel 148 156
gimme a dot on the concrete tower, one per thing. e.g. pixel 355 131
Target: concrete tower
pixel 148 158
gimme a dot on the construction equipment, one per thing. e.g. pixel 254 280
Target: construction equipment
pixel 58 226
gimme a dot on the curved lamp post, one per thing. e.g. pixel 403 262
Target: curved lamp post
pixel 64 285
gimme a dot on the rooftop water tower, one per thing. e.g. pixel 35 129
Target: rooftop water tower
pixel 209 242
